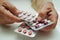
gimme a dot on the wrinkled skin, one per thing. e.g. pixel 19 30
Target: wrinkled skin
pixel 8 13
pixel 48 11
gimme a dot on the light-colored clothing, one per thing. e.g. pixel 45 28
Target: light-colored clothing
pixel 37 4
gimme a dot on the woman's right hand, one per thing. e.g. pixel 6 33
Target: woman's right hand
pixel 48 11
pixel 8 13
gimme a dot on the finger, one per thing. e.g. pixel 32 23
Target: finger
pixel 45 9
pixel 5 20
pixel 9 14
pixel 43 14
pixel 11 8
pixel 54 18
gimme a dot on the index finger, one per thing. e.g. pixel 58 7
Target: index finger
pixel 11 8
pixel 53 16
pixel 9 15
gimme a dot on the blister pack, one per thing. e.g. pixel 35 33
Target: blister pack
pixel 24 29
pixel 30 25
pixel 39 25
pixel 29 17
pixel 31 20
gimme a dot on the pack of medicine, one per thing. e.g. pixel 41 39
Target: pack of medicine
pixel 24 29
pixel 30 26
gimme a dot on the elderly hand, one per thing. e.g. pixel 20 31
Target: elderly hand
pixel 48 11
pixel 8 13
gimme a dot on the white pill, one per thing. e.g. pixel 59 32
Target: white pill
pixel 34 24
pixel 40 24
pixel 48 21
pixel 45 20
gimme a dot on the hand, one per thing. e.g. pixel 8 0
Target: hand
pixel 8 13
pixel 48 11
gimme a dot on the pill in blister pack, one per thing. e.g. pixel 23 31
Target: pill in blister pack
pixel 24 29
pixel 32 18
pixel 27 16
pixel 39 25
pixel 30 26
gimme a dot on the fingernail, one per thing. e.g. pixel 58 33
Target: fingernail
pixel 19 21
